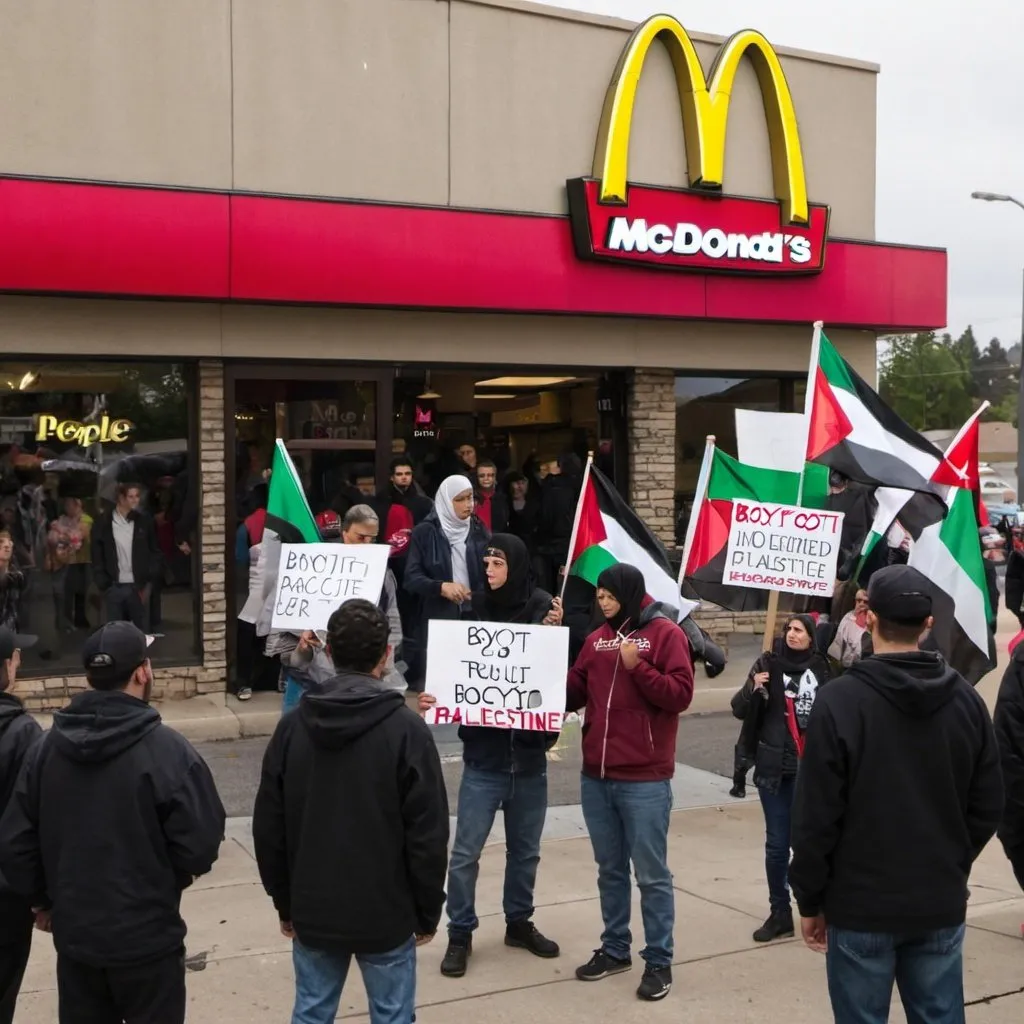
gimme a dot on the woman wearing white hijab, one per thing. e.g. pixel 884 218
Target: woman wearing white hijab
pixel 445 565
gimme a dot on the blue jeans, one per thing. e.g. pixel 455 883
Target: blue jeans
pixel 928 967
pixel 292 694
pixel 524 801
pixel 778 813
pixel 389 978
pixel 628 821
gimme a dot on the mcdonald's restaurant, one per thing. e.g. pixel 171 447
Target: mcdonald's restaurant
pixel 380 226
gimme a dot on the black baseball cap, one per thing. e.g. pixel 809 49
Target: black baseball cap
pixel 11 642
pixel 900 594
pixel 114 652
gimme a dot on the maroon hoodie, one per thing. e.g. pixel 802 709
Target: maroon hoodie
pixel 631 718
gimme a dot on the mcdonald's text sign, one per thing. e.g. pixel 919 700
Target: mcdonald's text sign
pixel 698 227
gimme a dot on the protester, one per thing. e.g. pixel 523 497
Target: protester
pixel 466 456
pixel 491 504
pixel 401 506
pixel 445 566
pixel 126 557
pixel 13 585
pixel 559 494
pixel 114 814
pixel 634 676
pixel 847 646
pixel 775 705
pixel 18 732
pixel 899 792
pixel 503 769
pixel 351 830
pixel 523 509
pixel 1009 729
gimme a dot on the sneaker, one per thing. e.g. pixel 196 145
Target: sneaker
pixel 456 957
pixel 524 935
pixel 600 965
pixel 655 984
pixel 244 693
pixel 778 926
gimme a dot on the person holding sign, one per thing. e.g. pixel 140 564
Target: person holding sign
pixel 504 769
pixel 634 676
pixel 445 566
pixel 774 705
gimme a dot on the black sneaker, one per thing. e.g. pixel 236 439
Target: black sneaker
pixel 600 965
pixel 456 957
pixel 778 926
pixel 524 935
pixel 655 984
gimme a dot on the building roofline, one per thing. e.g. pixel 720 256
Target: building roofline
pixel 586 18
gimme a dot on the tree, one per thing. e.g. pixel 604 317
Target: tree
pixel 923 378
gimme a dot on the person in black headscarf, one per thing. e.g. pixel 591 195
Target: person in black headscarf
pixel 503 769
pixel 775 704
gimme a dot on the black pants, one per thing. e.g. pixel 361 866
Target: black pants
pixel 14 952
pixel 124 603
pixel 151 993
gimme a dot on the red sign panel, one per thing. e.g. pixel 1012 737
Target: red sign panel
pixel 682 229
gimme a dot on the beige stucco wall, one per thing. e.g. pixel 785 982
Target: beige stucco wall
pixel 95 327
pixel 472 102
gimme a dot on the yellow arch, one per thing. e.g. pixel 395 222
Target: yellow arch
pixel 705 112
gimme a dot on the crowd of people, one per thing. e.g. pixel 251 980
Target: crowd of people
pixel 881 779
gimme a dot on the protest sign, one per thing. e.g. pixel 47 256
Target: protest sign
pixel 782 547
pixel 497 674
pixel 314 579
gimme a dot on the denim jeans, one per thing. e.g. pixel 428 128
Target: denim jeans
pixel 389 979
pixel 628 821
pixel 523 799
pixel 778 813
pixel 928 968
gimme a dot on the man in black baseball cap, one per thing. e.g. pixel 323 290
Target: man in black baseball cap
pixel 112 817
pixel 898 792
pixel 18 731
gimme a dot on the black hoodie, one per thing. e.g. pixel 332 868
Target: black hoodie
pixel 18 731
pixel 351 819
pixel 112 818
pixel 1009 725
pixel 898 792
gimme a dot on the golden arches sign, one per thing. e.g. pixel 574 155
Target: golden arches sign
pixel 705 110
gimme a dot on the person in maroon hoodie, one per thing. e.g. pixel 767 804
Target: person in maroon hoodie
pixel 634 676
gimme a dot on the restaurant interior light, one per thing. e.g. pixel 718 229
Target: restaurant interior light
pixel 428 392
pixel 28 380
pixel 495 394
pixel 523 382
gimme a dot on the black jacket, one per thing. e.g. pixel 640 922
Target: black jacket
pixel 113 816
pixel 351 819
pixel 1015 584
pixel 558 496
pixel 146 556
pixel 430 565
pixel 18 731
pixel 1009 727
pixel 898 793
pixel 518 751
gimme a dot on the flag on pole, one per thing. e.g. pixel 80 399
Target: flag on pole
pixel 850 428
pixel 607 531
pixel 289 521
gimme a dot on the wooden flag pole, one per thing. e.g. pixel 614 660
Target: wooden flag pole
pixel 576 525
pixel 770 619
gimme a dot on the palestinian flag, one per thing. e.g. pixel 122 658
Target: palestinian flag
pixel 607 531
pixel 289 521
pixel 853 431
pixel 948 553
pixel 711 518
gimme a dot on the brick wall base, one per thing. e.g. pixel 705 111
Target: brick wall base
pixel 652 450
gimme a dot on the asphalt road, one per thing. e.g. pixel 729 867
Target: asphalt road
pixel 705 741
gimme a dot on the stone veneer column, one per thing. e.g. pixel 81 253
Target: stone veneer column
pixel 652 450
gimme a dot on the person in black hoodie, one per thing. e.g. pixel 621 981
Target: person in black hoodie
pixel 18 731
pixel 114 814
pixel 351 829
pixel 1009 727
pixel 505 769
pixel 899 792
pixel 775 705
pixel 559 493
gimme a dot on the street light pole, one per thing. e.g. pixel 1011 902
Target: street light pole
pixel 998 197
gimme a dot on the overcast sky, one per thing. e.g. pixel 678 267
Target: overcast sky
pixel 950 121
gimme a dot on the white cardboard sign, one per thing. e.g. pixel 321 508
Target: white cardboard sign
pixel 507 676
pixel 313 580
pixel 782 547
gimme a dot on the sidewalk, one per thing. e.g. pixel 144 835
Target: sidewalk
pixel 242 970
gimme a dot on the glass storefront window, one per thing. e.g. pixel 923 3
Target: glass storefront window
pixel 80 445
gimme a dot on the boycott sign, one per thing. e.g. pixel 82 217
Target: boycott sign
pixel 314 579
pixel 495 674
pixel 782 547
